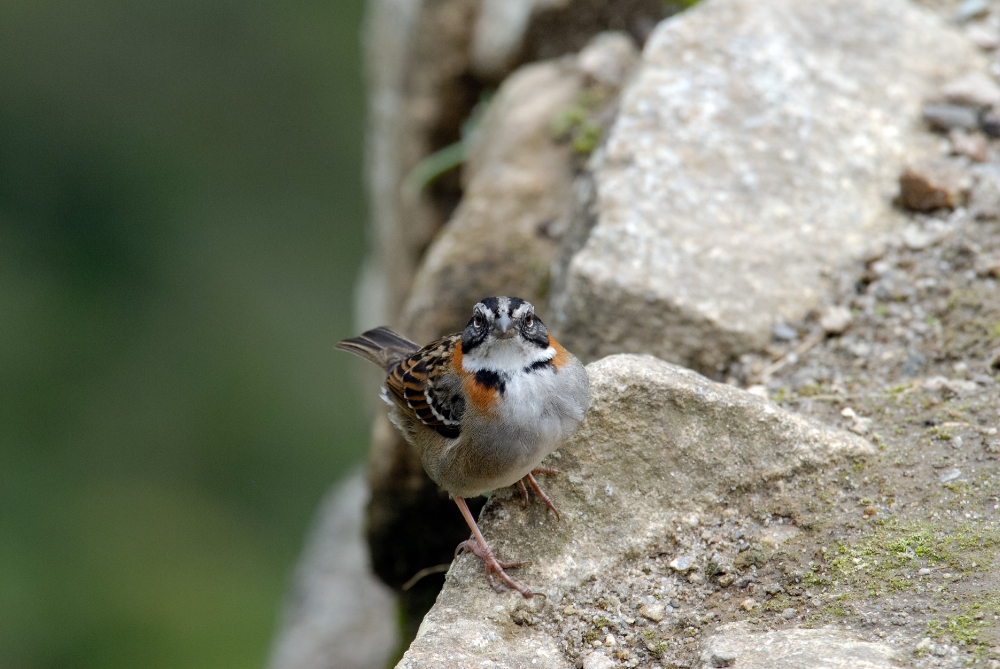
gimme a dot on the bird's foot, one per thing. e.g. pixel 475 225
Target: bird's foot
pixel 530 478
pixel 495 568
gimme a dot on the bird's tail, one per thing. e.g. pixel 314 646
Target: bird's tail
pixel 381 346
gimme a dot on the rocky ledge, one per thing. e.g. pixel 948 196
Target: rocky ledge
pixel 647 534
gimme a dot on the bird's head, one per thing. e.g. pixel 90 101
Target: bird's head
pixel 501 327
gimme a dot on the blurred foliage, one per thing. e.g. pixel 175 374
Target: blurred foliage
pixel 181 217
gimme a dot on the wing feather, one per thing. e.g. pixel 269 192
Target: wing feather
pixel 425 386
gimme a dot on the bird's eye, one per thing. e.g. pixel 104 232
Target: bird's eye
pixel 530 320
pixel 478 321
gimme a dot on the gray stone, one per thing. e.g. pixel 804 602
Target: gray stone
pixel 975 89
pixel 835 319
pixel 337 613
pixel 971 9
pixel 935 183
pixel 670 443
pixel 754 151
pixel 969 144
pixel 984 202
pixel 795 649
pixel 681 563
pixel 950 475
pixel 948 117
pixel 985 38
pixel 502 238
pixel 598 661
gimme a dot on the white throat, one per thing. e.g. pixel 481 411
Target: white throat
pixel 505 356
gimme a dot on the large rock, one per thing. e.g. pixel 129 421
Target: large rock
pixel 659 445
pixel 739 645
pixel 337 614
pixel 756 149
pixel 428 63
pixel 518 195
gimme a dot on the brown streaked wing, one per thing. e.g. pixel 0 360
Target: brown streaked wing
pixel 424 386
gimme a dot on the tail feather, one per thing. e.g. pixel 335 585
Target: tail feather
pixel 381 346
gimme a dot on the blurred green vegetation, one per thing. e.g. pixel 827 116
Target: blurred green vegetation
pixel 181 219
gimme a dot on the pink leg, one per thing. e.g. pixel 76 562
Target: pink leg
pixel 494 568
pixel 538 490
pixel 524 492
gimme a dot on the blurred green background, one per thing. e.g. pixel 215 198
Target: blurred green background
pixel 181 219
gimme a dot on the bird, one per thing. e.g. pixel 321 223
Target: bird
pixel 483 407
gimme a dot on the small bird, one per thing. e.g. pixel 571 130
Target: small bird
pixel 482 407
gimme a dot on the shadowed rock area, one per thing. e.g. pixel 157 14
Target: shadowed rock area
pixel 659 444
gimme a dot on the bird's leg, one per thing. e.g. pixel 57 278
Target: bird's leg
pixel 494 568
pixel 524 492
pixel 530 478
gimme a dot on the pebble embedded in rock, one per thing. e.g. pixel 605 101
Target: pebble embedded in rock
pixel 748 604
pixel 949 117
pixel 950 475
pixel 722 658
pixel 654 612
pixel 924 571
pixel 971 9
pixel 985 39
pixel 989 122
pixel 835 320
pixel 976 89
pixel 932 184
pixel 597 660
pixel 681 563
pixel 789 613
pixel 695 578
pixel 783 332
pixel 972 145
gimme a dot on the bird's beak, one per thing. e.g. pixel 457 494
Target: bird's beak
pixel 504 327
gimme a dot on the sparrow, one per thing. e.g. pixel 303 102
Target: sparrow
pixel 483 407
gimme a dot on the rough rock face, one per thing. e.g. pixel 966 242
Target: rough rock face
pixel 659 444
pixel 757 147
pixel 518 196
pixel 337 613
pixel 739 645
pixel 518 190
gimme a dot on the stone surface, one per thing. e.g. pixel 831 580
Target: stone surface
pixel 509 33
pixel 756 148
pixel 934 183
pixel 751 648
pixel 975 89
pixel 337 613
pixel 948 117
pixel 835 319
pixel 659 444
pixel 503 235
